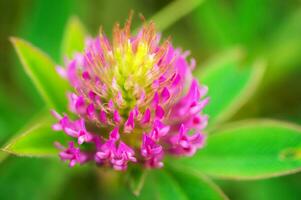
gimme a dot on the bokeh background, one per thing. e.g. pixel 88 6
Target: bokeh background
pixel 265 29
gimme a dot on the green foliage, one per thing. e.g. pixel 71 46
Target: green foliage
pixel 249 150
pixel 249 23
pixel 196 185
pixel 166 188
pixel 32 179
pixel 41 69
pixel 135 179
pixel 233 23
pixel 219 33
pixel 3 156
pixel 36 139
pixel 270 189
pixel 230 84
pixel 177 184
pixel 9 109
pixel 177 10
pixel 284 49
pixel 74 38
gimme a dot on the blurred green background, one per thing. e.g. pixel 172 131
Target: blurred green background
pixel 265 29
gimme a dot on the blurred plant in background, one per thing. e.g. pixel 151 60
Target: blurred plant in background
pixel 233 41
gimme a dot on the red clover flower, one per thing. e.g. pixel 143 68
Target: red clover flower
pixel 135 100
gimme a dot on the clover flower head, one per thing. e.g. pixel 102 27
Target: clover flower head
pixel 134 99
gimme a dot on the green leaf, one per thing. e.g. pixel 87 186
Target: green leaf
pixel 238 22
pixel 135 179
pixel 31 179
pixel 280 188
pixel 251 18
pixel 230 84
pixel 160 185
pixel 41 69
pixel 215 22
pixel 283 51
pixel 3 156
pixel 10 107
pixel 82 183
pixel 249 150
pixel 196 185
pixel 74 37
pixel 176 9
pixel 36 139
pixel 176 184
